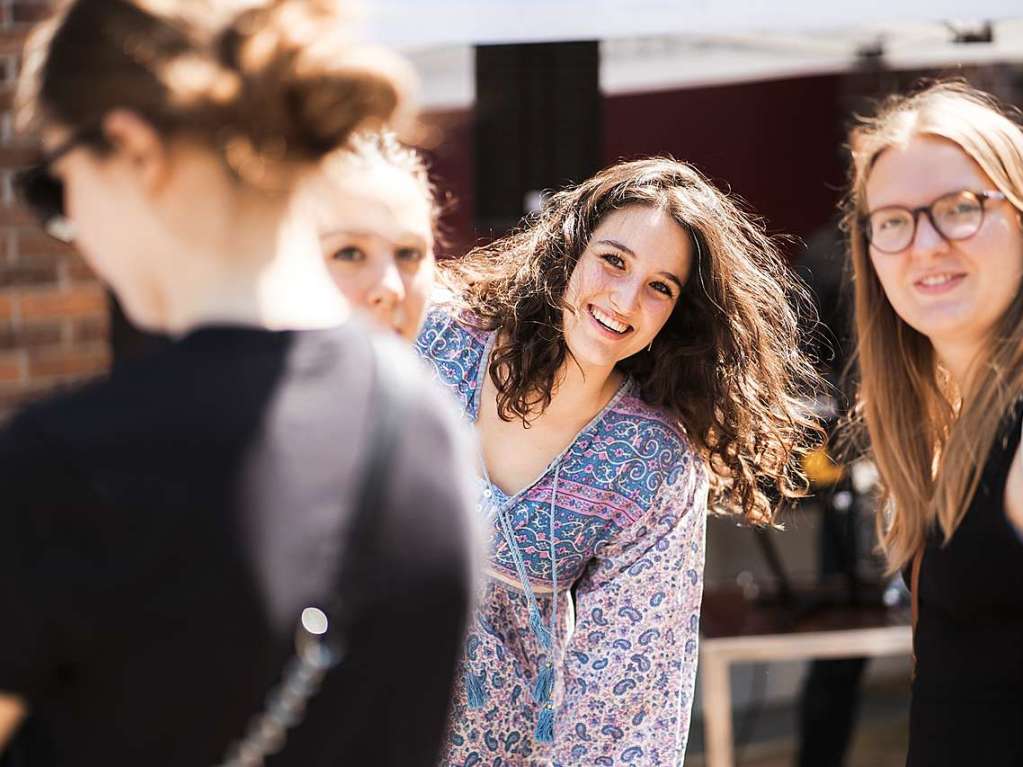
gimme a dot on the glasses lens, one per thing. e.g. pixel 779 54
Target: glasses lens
pixel 959 215
pixel 890 229
pixel 41 192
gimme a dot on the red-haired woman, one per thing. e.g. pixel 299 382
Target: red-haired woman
pixel 194 563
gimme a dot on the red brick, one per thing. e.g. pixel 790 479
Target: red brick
pixel 30 13
pixel 15 215
pixel 78 271
pixel 34 241
pixel 6 307
pixel 33 256
pixel 11 368
pixel 12 41
pixel 63 363
pixel 18 154
pixel 90 330
pixel 78 301
pixel 27 275
pixel 33 334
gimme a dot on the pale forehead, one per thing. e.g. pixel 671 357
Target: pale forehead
pixel 922 169
pixel 378 197
pixel 653 235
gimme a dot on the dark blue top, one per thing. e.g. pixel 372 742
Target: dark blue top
pixel 161 531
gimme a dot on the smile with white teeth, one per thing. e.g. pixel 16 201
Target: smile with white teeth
pixel 609 322
pixel 933 280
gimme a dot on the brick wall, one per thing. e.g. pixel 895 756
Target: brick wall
pixel 54 324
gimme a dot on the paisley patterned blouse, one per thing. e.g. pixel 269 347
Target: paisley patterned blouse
pixel 626 505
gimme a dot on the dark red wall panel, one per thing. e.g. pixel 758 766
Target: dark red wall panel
pixel 775 143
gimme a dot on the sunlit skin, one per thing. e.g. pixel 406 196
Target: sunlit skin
pixel 1014 492
pixel 377 238
pixel 12 711
pixel 182 243
pixel 630 275
pixel 984 271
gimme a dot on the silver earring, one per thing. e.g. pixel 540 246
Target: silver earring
pixel 650 345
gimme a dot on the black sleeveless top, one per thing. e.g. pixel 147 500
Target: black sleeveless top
pixel 968 693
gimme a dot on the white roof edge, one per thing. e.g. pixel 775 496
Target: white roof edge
pixel 411 23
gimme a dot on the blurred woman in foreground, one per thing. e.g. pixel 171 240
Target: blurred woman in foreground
pixel 168 535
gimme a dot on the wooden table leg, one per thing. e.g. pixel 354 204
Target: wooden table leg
pixel 717 710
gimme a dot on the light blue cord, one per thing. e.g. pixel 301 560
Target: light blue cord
pixel 520 565
pixel 476 694
pixel 554 560
pixel 544 686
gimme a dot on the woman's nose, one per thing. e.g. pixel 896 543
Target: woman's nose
pixel 387 290
pixel 625 296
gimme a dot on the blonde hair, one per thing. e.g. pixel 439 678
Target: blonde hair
pixel 930 439
pixel 366 149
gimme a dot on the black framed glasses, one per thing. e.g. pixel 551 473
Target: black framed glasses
pixel 42 192
pixel 955 216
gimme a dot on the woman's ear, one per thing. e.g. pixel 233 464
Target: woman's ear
pixel 140 145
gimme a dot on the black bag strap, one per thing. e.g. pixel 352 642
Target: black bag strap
pixel 319 636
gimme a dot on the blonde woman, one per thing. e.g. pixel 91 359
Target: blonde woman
pixel 937 248
pixel 377 212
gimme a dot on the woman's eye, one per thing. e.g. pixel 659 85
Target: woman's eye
pixel 615 261
pixel 965 209
pixel 409 255
pixel 893 221
pixel 661 287
pixel 350 254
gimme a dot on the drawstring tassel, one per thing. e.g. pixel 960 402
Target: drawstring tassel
pixel 544 685
pixel 544 732
pixel 539 630
pixel 474 691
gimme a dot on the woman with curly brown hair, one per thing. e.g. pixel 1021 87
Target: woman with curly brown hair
pixel 627 357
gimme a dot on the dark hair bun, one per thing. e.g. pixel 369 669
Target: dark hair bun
pixel 303 80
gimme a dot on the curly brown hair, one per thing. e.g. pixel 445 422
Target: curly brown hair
pixel 728 363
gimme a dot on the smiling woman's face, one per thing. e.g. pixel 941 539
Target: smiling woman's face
pixel 953 292
pixel 625 286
